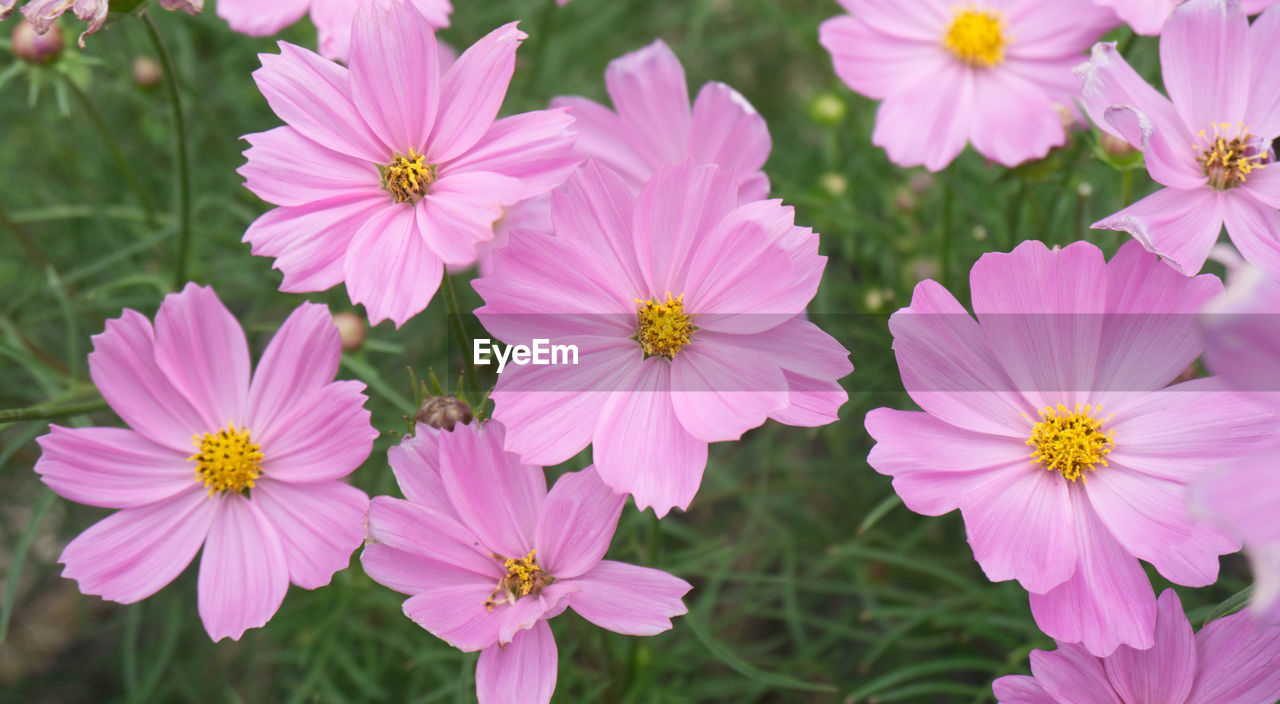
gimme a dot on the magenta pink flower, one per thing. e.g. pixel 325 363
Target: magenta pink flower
pixel 488 555
pixel 687 313
pixel 389 171
pixel 993 72
pixel 1048 425
pixel 655 127
pixel 1211 145
pixel 250 469
pixel 1228 662
pixel 333 18
pixel 1243 347
pixel 1148 16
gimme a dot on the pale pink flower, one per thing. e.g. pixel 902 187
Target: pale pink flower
pixel 488 555
pixel 43 13
pixel 389 171
pixel 1210 146
pixel 1242 333
pixel 1228 662
pixel 654 126
pixel 993 73
pixel 248 468
pixel 1148 16
pixel 333 18
pixel 191 7
pixel 6 7
pixel 687 311
pixel 1048 424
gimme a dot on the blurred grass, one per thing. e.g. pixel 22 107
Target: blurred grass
pixel 812 582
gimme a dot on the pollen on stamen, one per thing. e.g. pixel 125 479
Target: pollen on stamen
pixel 977 37
pixel 664 328
pixel 1228 157
pixel 524 578
pixel 1071 442
pixel 407 178
pixel 228 460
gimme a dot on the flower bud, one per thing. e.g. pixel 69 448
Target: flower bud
pixel 352 329
pixel 827 109
pixel 32 47
pixel 1115 146
pixel 443 412
pixel 147 72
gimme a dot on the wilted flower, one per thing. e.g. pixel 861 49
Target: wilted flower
pixel 31 46
pixel 43 14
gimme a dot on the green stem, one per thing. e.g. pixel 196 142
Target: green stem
pixel 51 411
pixel 944 243
pixel 464 342
pixel 180 144
pixel 546 23
pixel 144 198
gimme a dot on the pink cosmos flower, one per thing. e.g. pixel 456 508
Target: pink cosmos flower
pixel 1048 424
pixel 949 72
pixel 1211 145
pixel 1227 662
pixel 333 18
pixel 1148 16
pixel 248 468
pixel 1243 346
pixel 389 171
pixel 488 555
pixel 687 313
pixel 655 127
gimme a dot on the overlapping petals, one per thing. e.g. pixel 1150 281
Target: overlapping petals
pixel 333 18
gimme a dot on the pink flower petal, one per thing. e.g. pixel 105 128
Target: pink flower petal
pixel 258 20
pixel 325 435
pixel 1021 525
pixel 529 611
pixel 1049 30
pixel 416 464
pixel 310 242
pixel 473 91
pixel 1071 674
pixel 1108 602
pixel 927 121
pixel 457 614
pixel 727 130
pixel 1204 52
pixel 1020 689
pixel 395 74
pixel 921 21
pixel 679 207
pixel 629 599
pixel 407 572
pixel 389 267
pixel 1238 663
pixel 642 449
pixel 1254 228
pixel 124 369
pixel 460 211
pixel 1263 112
pixel 319 525
pixel 111 467
pixel 301 359
pixel 933 464
pixel 527 665
pixel 650 94
pixel 243 572
pixel 1143 16
pixel 432 537
pixel 1263 184
pixel 596 207
pixel 202 349
pixel 1180 226
pixel 873 62
pixel 495 495
pixel 576 524
pixel 313 95
pixel 1163 674
pixel 534 147
pixel 285 168
pixel 606 138
pixel 132 554
pixel 1014 119
pixel 720 390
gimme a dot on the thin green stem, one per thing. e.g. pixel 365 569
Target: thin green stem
pixel 464 341
pixel 144 197
pixel 180 144
pixel 52 411
pixel 944 241
pixel 546 25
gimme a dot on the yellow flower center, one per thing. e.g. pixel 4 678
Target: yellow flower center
pixel 977 37
pixel 1228 159
pixel 227 461
pixel 1071 442
pixel 524 578
pixel 664 327
pixel 407 178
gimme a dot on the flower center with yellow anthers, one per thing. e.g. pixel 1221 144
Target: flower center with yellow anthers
pixel 1227 158
pixel 664 327
pixel 406 178
pixel 1071 442
pixel 524 578
pixel 977 37
pixel 228 460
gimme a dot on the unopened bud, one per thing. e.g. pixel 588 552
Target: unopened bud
pixel 905 200
pixel 147 72
pixel 351 329
pixel 1115 146
pixel 36 48
pixel 444 412
pixel 921 183
pixel 827 109
pixel 834 183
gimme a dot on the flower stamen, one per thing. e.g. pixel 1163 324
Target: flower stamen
pixel 1227 158
pixel 524 578
pixel 1071 442
pixel 227 460
pixel 977 37
pixel 407 178
pixel 664 327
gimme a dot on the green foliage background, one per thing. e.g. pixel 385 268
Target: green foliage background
pixel 812 582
